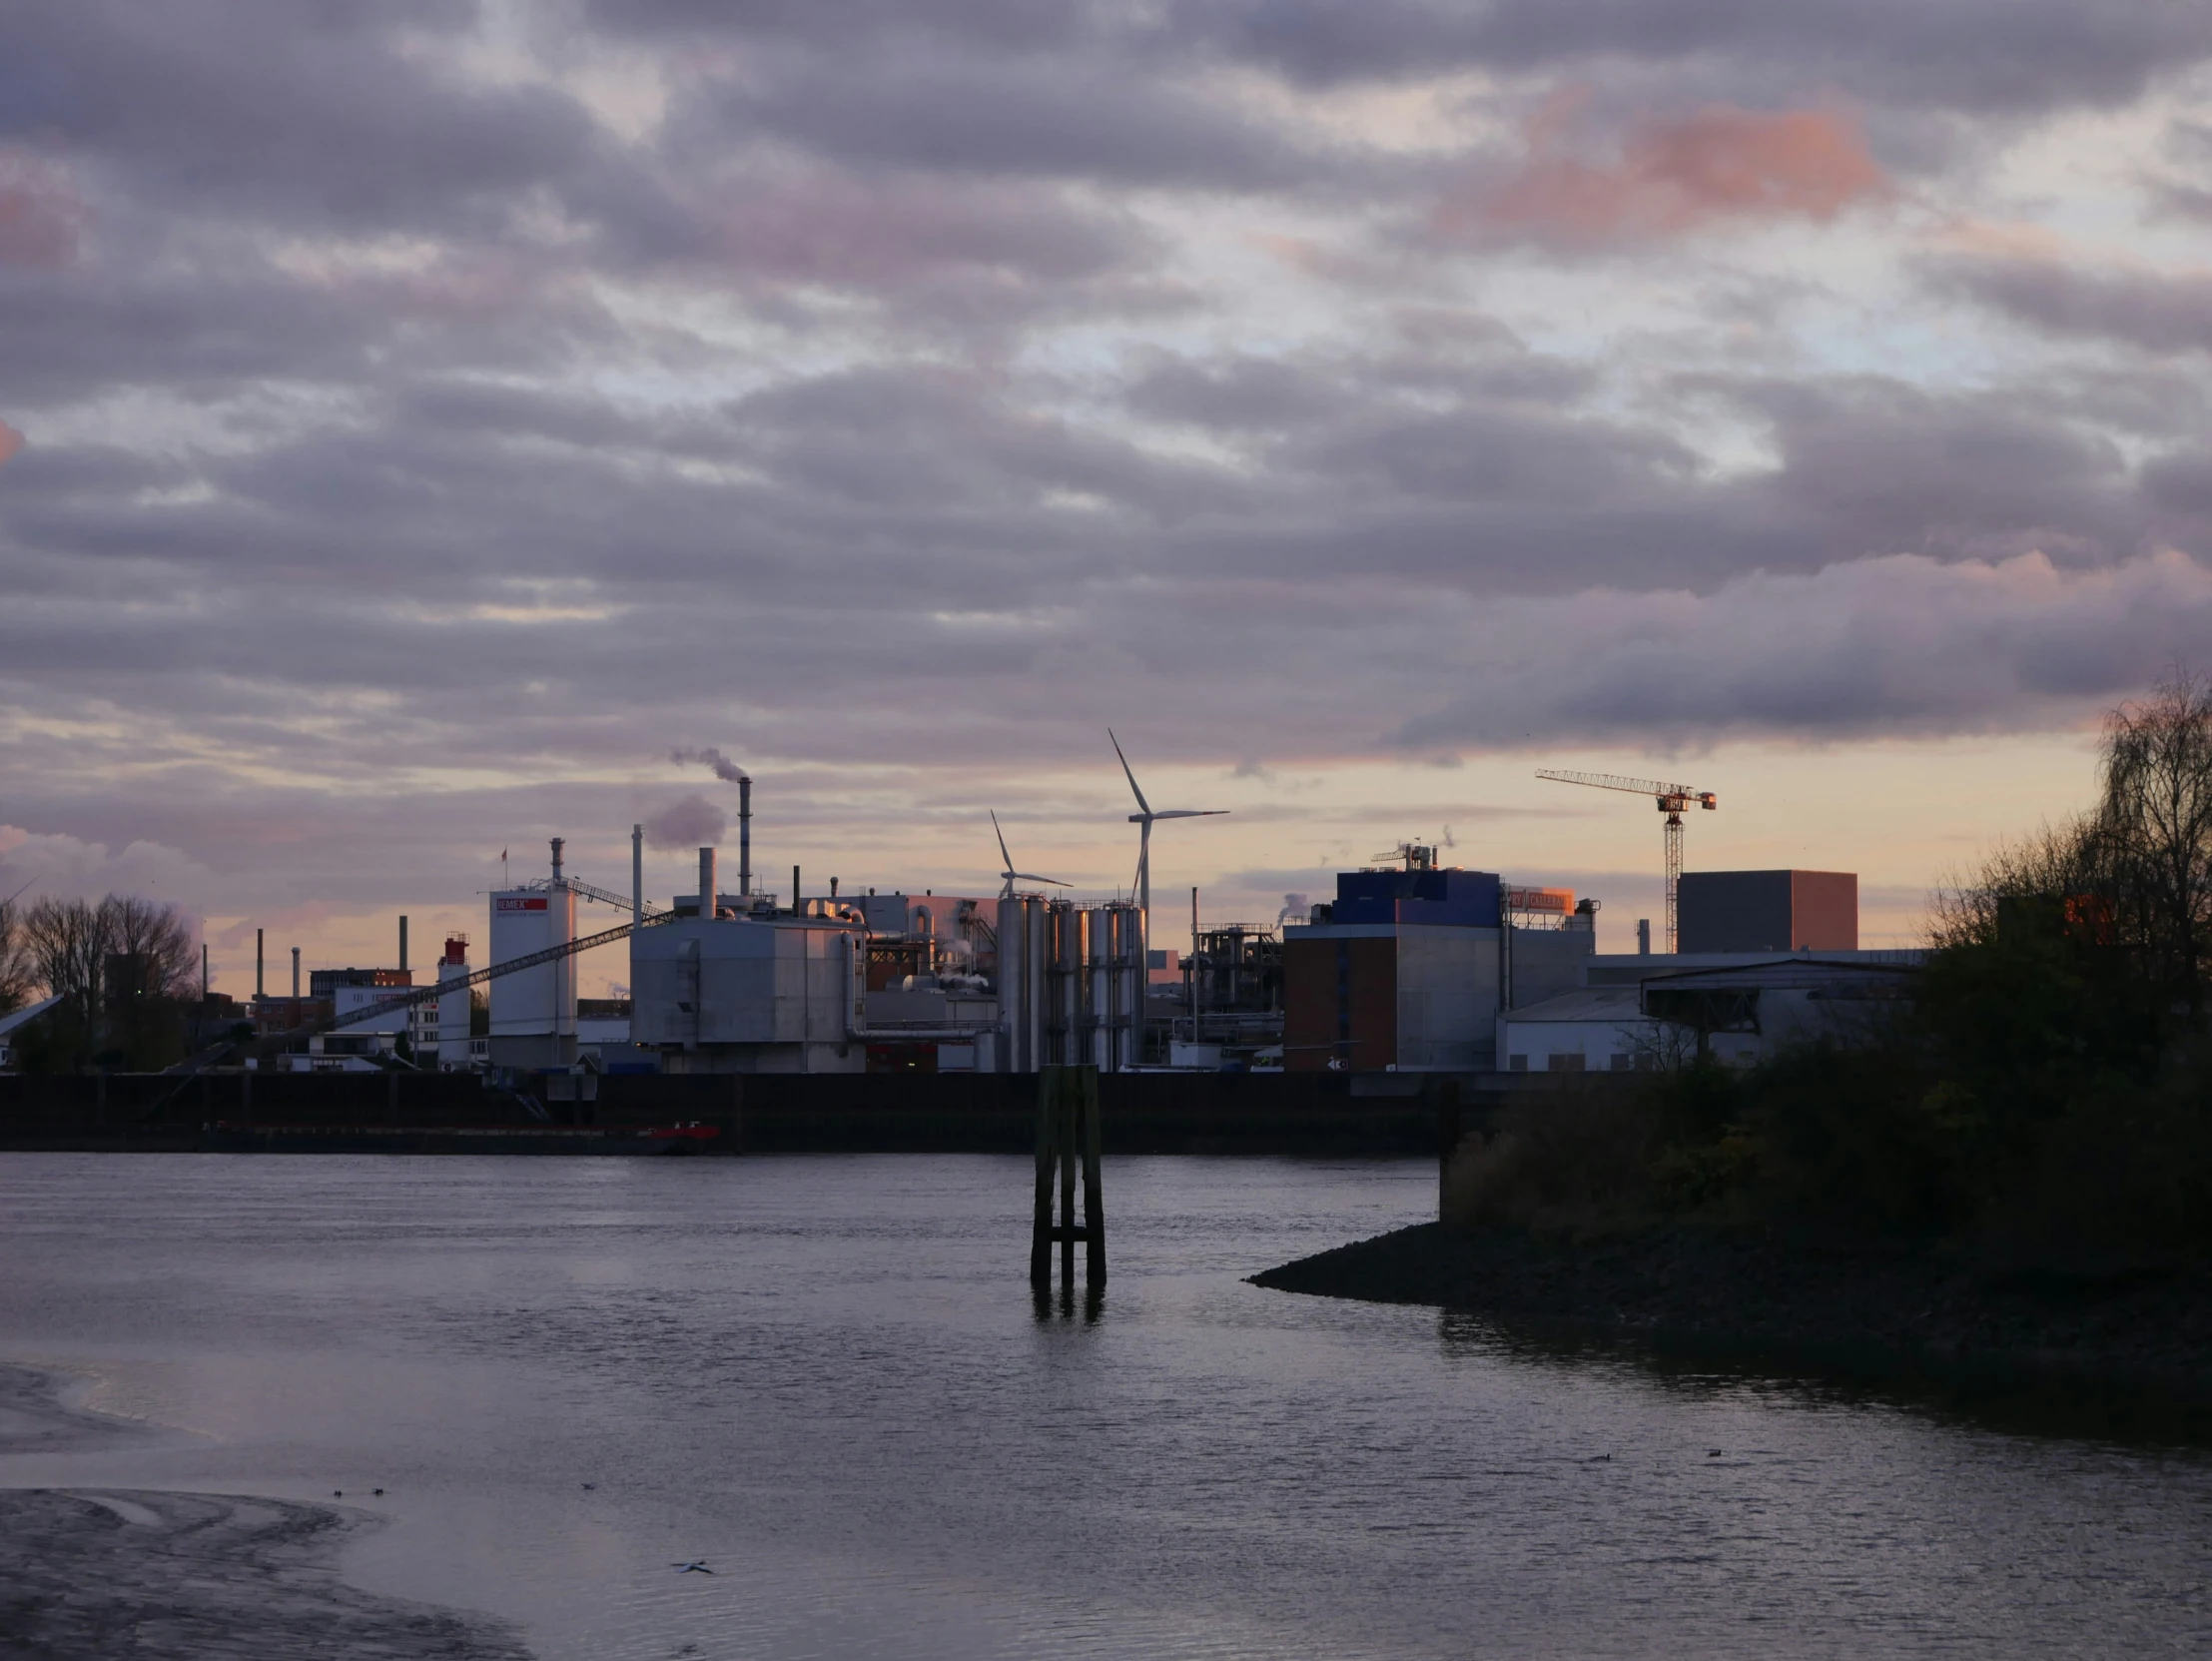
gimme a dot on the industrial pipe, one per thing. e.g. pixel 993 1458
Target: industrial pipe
pixel 637 875
pixel 709 895
pixel 261 990
pixel 856 1002
pixel 403 943
pixel 744 838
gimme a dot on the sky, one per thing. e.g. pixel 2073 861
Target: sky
pixel 422 419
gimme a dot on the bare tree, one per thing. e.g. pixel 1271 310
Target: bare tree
pixel 2129 883
pixel 68 944
pixel 2153 832
pixel 155 945
pixel 18 977
pixel 2038 870
pixel 77 949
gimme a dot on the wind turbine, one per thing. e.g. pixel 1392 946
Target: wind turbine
pixel 1144 817
pixel 1010 873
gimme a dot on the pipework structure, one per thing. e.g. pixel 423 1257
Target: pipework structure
pixel 1070 985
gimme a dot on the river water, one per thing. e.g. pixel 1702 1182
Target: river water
pixel 826 1378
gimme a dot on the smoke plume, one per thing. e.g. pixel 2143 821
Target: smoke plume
pixel 693 822
pixel 728 771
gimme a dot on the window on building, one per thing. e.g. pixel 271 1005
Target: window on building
pixel 1567 1062
pixel 1517 1064
pixel 1623 1061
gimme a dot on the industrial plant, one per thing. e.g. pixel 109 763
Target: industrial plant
pixel 1413 968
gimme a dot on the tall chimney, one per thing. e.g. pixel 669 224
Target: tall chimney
pixel 745 838
pixel 794 891
pixel 637 875
pixel 709 899
pixel 261 990
pixel 557 844
pixel 1643 937
pixel 403 941
pixel 296 983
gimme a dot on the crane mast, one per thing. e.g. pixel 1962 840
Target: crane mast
pixel 1672 801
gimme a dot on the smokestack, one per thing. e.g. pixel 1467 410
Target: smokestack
pixel 794 891
pixel 745 838
pixel 637 875
pixel 557 858
pixel 708 897
pixel 403 943
pixel 261 991
pixel 296 983
pixel 833 888
pixel 1643 937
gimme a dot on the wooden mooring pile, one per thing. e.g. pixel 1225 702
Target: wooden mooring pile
pixel 1067 1140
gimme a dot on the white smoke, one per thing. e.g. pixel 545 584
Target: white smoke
pixel 728 771
pixel 691 822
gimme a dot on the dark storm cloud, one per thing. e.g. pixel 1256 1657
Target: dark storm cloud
pixel 2157 311
pixel 2010 55
pixel 333 113
pixel 991 114
pixel 1898 645
pixel 1874 465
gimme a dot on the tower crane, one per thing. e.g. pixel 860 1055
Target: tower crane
pixel 1672 800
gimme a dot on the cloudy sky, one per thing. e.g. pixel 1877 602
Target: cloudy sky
pixel 424 417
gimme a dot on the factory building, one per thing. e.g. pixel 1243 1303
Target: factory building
pixel 1590 1028
pixel 344 991
pixel 1768 911
pixel 1402 972
pixel 1737 1007
pixel 534 1010
pixel 1227 1012
pixel 734 986
pixel 1769 958
pixel 443 1025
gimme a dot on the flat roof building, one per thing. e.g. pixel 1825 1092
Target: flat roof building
pixel 1768 911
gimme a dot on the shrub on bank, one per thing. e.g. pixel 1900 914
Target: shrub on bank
pixel 2045 1097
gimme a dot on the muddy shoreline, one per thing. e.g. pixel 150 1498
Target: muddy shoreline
pixel 2127 1347
pixel 146 1575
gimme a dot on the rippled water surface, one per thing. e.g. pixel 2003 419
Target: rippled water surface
pixel 826 1378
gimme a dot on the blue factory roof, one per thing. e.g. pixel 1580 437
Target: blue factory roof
pixel 1464 899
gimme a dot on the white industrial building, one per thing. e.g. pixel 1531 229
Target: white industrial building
pixel 1641 1009
pixel 534 1010
pixel 442 1024
pixel 1593 1030
pixel 766 994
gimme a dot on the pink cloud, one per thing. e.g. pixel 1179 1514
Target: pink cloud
pixel 1673 177
pixel 40 213
pixel 11 442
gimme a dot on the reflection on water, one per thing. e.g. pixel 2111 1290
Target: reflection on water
pixel 828 1379
pixel 2059 1399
